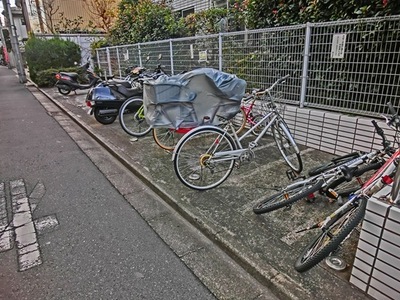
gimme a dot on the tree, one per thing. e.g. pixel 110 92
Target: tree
pixel 143 20
pixel 50 9
pixel 103 12
pixel 267 13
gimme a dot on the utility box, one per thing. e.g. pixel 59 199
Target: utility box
pixel 376 268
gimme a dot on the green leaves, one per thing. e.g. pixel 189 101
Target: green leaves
pixel 143 21
pixel 267 13
pixel 42 54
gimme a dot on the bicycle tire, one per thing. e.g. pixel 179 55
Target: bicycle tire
pixel 132 123
pixel 337 231
pixel 344 188
pixel 239 121
pixel 333 163
pixel 193 162
pixel 287 146
pixel 166 138
pixel 257 129
pixel 287 197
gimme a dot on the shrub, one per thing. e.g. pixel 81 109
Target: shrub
pixel 46 78
pixel 42 54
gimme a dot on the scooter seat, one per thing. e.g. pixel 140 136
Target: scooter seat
pixel 70 74
pixel 133 92
pixel 129 92
pixel 125 83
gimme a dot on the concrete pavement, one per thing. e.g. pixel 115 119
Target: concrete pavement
pixel 69 219
pixel 265 246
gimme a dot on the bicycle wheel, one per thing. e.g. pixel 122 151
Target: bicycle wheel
pixel 287 197
pixel 239 121
pixel 195 163
pixel 344 188
pixel 166 138
pixel 334 163
pixel 131 118
pixel 287 146
pixel 255 119
pixel 329 239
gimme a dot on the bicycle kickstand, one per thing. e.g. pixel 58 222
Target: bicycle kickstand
pixel 292 175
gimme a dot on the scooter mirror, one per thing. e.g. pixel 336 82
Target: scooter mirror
pixel 159 56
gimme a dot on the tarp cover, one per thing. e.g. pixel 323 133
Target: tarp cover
pixel 189 99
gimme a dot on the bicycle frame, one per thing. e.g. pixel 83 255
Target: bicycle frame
pixel 227 155
pixel 248 108
pixel 331 175
pixel 140 113
pixel 364 191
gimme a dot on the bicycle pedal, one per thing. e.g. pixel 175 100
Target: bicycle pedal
pixel 292 175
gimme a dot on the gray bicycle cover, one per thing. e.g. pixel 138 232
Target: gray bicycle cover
pixel 190 99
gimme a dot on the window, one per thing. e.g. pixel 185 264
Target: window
pixel 187 11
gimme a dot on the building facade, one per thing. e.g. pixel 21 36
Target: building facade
pixel 186 7
pixel 43 16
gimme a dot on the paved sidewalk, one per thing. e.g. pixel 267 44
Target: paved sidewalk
pixel 266 246
pixel 66 232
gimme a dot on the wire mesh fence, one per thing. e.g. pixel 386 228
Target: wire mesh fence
pixel 349 66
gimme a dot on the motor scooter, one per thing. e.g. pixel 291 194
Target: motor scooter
pixel 105 99
pixel 68 81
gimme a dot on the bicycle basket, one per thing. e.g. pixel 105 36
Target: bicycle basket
pixel 184 101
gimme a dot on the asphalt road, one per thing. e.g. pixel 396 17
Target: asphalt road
pixel 99 248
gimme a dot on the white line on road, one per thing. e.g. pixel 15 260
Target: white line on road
pixel 5 229
pixel 25 234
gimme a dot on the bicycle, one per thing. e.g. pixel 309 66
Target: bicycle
pixel 132 119
pixel 337 227
pixel 204 157
pixel 330 182
pixel 248 115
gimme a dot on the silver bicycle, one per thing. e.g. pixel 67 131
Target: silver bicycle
pixel 205 156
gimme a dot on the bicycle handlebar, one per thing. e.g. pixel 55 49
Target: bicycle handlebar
pixel 283 78
pixel 391 108
pixel 259 93
pixel 381 133
pixel 395 119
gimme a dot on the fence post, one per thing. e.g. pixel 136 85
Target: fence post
pixel 119 64
pixel 109 61
pixel 140 55
pixel 171 55
pixel 305 65
pixel 98 59
pixel 220 51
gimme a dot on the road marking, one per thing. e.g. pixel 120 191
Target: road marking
pixel 46 223
pixel 22 225
pixel 5 230
pixel 28 250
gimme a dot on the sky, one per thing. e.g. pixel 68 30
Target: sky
pixel 12 3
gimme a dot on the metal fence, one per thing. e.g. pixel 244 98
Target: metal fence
pixel 350 66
